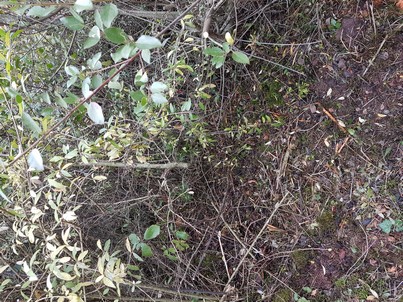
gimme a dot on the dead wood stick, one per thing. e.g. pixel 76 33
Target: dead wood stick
pixel 136 165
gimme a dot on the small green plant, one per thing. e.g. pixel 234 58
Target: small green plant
pixel 178 245
pixel 389 225
pixel 334 24
pixel 134 244
pixel 219 53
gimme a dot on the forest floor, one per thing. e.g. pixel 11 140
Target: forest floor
pixel 304 200
pixel 298 194
pixel 294 187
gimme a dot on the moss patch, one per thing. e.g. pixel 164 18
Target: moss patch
pixel 326 222
pixel 301 258
pixel 283 295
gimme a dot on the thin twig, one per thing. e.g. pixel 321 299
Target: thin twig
pixel 223 254
pixel 178 18
pixel 277 64
pixel 371 62
pixel 268 221
pixel 66 58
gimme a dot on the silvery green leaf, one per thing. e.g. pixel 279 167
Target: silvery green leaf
pixel 89 42
pixel 85 87
pixel 115 85
pixel 122 52
pixel 35 161
pixel 158 98
pixel 95 113
pixel 81 5
pixel 69 216
pixel 71 81
pixel 108 13
pixel 93 37
pixel 148 42
pixel 95 32
pixel 140 78
pixel 127 49
pixel 96 81
pixel 146 55
pixel 71 70
pixel 98 20
pixel 29 122
pixel 158 87
pixel 72 23
pixel 186 105
pixel 94 63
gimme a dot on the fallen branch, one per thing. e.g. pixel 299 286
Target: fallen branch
pixel 136 165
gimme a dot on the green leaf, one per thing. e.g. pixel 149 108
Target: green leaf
pixel 137 95
pixel 72 23
pixel 240 57
pixel 93 37
pixel 214 51
pixel 218 61
pixel 123 51
pixel 137 257
pixel 148 42
pixel 398 225
pixel 62 275
pixel 386 226
pixel 115 35
pixel 146 250
pixel 182 235
pixel 56 184
pixel 29 122
pixel 134 240
pixel 96 81
pixel 152 232
pixel 225 47
pixel 108 13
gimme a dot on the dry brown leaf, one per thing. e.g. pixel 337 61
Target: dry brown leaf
pixel 399 5
pixel 377 3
